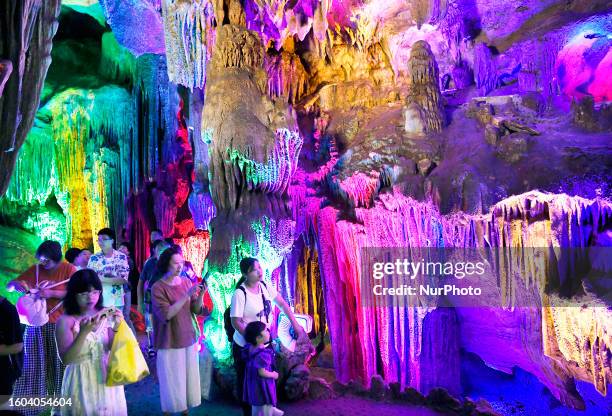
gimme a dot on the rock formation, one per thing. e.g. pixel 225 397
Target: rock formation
pixel 30 29
pixel 424 112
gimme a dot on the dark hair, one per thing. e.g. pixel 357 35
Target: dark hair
pixel 156 230
pixel 246 264
pixel 81 281
pixel 252 331
pixel 108 232
pixel 169 240
pixel 156 243
pixel 51 250
pixel 72 254
pixel 128 245
pixel 164 260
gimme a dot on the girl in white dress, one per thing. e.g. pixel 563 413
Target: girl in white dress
pixel 84 336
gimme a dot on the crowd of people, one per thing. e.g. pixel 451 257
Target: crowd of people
pixel 88 296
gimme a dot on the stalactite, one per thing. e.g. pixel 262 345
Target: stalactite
pixel 274 175
pixel 538 59
pixel 360 188
pixel 189 36
pixel 485 69
pixel 309 290
pixel 286 77
pixel 34 167
pixel 91 182
pixel 157 103
pixel 529 220
pixel 202 209
pixel 27 31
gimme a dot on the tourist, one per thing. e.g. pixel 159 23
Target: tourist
pixel 84 337
pixel 42 369
pixel 11 348
pixel 112 267
pixel 175 337
pixel 259 375
pixel 252 301
pixel 148 277
pixel 153 237
pixel 78 257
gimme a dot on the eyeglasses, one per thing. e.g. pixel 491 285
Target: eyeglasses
pixel 43 260
pixel 91 292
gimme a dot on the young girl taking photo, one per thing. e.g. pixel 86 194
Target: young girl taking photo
pixel 260 379
pixel 84 337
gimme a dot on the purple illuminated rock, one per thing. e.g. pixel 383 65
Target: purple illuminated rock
pixel 137 25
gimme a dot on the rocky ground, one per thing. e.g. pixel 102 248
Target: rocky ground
pixel 143 399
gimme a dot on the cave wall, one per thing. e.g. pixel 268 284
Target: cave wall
pixel 301 131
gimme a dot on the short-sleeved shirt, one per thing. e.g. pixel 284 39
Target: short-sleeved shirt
pixel 62 272
pixel 10 333
pixel 115 266
pixel 149 277
pixel 251 307
pixel 179 331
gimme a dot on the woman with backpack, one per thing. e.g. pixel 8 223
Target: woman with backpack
pixel 252 301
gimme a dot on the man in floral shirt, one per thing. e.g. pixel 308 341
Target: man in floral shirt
pixel 112 267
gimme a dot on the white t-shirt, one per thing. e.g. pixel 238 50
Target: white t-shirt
pixel 251 308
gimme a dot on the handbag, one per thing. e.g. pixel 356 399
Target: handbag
pixel 126 364
pixel 32 309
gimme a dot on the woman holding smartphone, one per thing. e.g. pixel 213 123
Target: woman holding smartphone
pixel 84 336
pixel 174 301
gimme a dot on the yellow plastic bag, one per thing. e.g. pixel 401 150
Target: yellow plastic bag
pixel 126 364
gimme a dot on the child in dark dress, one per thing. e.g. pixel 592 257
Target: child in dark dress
pixel 259 380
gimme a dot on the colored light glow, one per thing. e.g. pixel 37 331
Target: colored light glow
pixel 71 156
pixel 221 283
pixel 274 239
pixel 195 249
pixel 584 65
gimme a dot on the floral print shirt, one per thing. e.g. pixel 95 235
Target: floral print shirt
pixel 111 267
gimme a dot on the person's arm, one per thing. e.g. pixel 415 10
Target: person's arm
pixel 267 374
pixel 11 348
pixel 287 310
pixel 163 308
pixel 117 316
pixel 112 280
pixel 12 332
pixel 52 293
pixel 237 311
pixel 22 284
pixel 197 303
pixel 18 285
pixel 140 294
pixel 69 346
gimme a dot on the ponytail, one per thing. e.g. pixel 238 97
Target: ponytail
pixel 240 281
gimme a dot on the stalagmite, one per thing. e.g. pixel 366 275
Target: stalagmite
pixel 424 92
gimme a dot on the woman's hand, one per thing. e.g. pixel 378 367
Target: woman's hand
pixel 274 375
pixel 19 286
pixel 90 323
pixel 195 289
pixel 117 314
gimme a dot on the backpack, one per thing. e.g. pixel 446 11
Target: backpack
pixel 227 319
